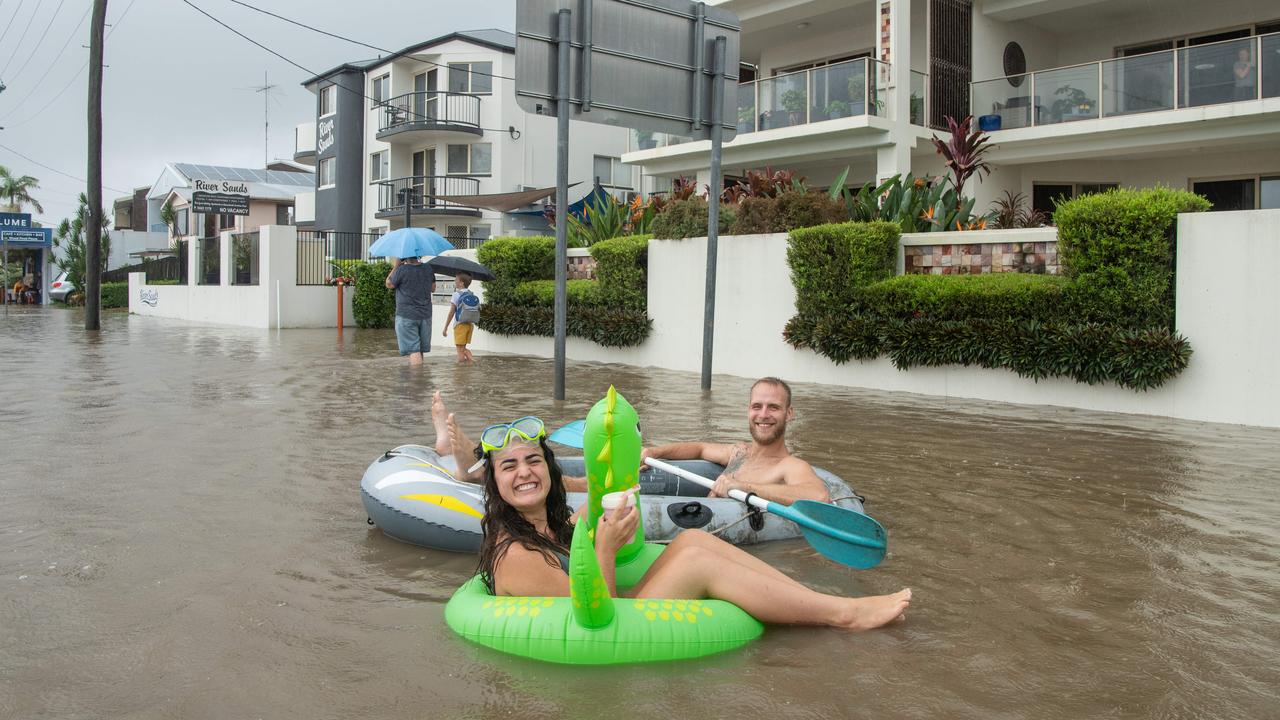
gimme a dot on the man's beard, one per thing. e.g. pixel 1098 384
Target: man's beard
pixel 767 435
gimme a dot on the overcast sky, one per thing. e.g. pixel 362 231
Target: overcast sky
pixel 180 88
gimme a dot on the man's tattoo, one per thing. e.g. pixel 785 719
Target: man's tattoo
pixel 736 461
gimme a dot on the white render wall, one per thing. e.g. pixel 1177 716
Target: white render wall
pixel 1227 307
pixel 276 301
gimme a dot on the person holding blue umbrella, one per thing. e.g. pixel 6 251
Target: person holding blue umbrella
pixel 413 282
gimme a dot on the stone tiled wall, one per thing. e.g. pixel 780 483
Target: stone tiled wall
pixel 582 267
pixel 976 258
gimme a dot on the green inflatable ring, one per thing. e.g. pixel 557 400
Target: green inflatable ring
pixel 589 627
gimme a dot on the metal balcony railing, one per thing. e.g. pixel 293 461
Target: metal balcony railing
pixel 430 110
pixel 423 192
pixel 1237 70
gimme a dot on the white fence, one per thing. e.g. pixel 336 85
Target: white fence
pixel 1227 307
pixel 275 301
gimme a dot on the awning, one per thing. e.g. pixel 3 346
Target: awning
pixel 597 197
pixel 503 202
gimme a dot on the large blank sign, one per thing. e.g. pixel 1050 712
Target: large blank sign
pixel 643 64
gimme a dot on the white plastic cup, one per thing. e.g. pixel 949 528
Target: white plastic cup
pixel 615 500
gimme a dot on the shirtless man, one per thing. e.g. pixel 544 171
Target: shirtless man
pixel 764 466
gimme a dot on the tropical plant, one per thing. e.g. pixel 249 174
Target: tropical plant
pixel 602 218
pixel 1012 211
pixel 71 241
pixel 767 183
pixel 16 192
pixel 964 153
pixel 169 217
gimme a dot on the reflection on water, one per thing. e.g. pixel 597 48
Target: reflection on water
pixel 181 535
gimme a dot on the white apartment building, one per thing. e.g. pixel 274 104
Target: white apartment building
pixel 433 125
pixel 1078 94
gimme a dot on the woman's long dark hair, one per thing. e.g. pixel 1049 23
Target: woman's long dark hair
pixel 503 524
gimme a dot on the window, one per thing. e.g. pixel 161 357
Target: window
pixel 327 105
pixel 474 159
pixel 284 214
pixel 182 221
pixel 1246 193
pixel 472 77
pixel 380 89
pixel 327 176
pixel 611 171
pixel 379 168
pixel 480 233
pixel 226 221
pixel 1044 196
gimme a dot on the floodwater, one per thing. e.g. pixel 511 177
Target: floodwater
pixel 181 535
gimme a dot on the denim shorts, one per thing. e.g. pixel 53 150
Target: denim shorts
pixel 413 336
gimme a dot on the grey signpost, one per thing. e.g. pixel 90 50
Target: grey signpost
pixel 654 65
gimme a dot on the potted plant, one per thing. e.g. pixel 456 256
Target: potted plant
pixel 645 141
pixel 1073 102
pixel 793 102
pixel 746 118
pixel 837 109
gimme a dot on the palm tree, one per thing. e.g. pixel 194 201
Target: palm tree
pixel 16 191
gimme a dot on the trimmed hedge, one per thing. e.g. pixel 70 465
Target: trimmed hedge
pixel 622 269
pixel 963 297
pixel 374 304
pixel 788 211
pixel 688 218
pixel 1092 353
pixel 829 263
pixel 610 327
pixel 542 293
pixel 115 295
pixel 515 260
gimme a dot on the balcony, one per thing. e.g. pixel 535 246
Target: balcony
pixel 304 143
pixel 423 195
pixel 1231 71
pixel 418 116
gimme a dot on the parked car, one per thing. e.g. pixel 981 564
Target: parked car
pixel 61 287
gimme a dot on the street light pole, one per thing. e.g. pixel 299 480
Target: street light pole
pixel 93 229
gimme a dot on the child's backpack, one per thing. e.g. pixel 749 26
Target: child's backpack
pixel 468 308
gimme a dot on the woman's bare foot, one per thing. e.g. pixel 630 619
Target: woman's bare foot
pixel 873 612
pixel 440 420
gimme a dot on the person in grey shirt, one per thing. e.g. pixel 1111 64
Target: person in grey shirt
pixel 413 281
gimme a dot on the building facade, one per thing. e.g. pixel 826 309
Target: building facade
pixel 1078 95
pixel 396 136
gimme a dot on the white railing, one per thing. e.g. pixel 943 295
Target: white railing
pixel 1237 70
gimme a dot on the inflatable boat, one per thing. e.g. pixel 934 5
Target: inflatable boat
pixel 411 494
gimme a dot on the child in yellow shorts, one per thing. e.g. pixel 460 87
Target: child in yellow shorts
pixel 461 330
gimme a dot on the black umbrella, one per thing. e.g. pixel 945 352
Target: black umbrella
pixel 451 265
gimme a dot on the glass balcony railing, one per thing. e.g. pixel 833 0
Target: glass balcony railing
pixel 829 92
pixel 919 91
pixel 1228 71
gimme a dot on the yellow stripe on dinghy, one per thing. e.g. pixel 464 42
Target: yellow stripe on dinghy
pixel 448 503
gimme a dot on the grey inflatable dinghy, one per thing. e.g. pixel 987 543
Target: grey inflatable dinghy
pixel 411 494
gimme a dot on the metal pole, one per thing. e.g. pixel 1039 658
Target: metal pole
pixel 408 201
pixel 713 207
pixel 562 196
pixel 94 221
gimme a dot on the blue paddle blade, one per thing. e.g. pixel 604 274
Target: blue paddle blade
pixel 570 435
pixel 840 534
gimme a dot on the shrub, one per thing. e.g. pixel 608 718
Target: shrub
pixel 755 215
pixel 829 263
pixel 115 295
pixel 514 260
pixel 688 218
pixel 162 282
pixel 542 293
pixel 806 209
pixel 610 327
pixel 963 297
pixel 1129 230
pixel 622 267
pixel 373 304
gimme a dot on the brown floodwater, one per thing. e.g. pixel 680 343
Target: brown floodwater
pixel 181 535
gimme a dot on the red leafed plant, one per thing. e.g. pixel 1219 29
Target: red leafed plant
pixel 964 153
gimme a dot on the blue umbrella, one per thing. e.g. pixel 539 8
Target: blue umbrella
pixel 409 242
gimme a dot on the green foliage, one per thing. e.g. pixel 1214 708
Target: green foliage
pixel 344 268
pixel 70 239
pixel 162 282
pixel 1139 359
pixel 829 263
pixel 542 293
pixel 609 327
pixel 688 218
pixel 373 304
pixel 785 212
pixel 16 192
pixel 604 217
pixel 115 295
pixel 965 297
pixel 1129 230
pixel 622 269
pixel 515 260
